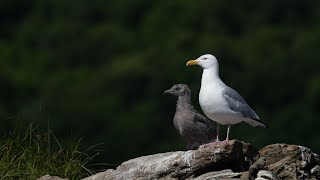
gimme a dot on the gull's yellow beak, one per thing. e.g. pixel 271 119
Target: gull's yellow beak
pixel 192 62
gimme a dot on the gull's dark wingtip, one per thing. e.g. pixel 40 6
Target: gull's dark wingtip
pixel 264 125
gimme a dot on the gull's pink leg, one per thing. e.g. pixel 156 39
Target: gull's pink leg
pixel 218 129
pixel 229 125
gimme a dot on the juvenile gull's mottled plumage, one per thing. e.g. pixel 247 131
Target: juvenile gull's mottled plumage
pixel 218 101
pixel 195 128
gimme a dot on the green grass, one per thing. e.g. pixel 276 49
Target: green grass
pixel 30 154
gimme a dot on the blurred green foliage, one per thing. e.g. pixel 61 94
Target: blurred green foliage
pixel 97 69
pixel 26 153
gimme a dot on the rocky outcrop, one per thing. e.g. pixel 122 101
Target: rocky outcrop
pixel 227 160
pixel 233 155
pixel 291 161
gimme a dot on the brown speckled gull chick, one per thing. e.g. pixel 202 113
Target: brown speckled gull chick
pixel 195 128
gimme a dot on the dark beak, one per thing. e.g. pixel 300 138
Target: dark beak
pixel 169 91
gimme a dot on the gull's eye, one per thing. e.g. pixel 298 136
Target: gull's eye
pixel 205 58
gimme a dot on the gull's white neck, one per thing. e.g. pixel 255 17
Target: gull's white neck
pixel 211 76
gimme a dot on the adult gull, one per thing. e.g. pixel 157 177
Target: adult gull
pixel 220 102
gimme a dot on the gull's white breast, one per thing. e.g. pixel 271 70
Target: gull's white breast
pixel 213 103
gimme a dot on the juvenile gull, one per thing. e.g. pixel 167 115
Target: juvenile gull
pixel 194 127
pixel 218 101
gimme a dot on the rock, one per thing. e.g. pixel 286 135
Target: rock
pixel 315 171
pixel 260 164
pixel 228 160
pixel 48 177
pixel 265 175
pixel 291 161
pixel 233 155
pixel 216 175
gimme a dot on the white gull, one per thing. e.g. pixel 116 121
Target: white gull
pixel 220 102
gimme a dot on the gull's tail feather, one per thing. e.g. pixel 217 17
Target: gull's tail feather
pixel 256 123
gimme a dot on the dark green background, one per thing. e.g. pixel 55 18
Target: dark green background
pixel 97 69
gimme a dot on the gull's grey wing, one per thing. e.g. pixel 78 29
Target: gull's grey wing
pixel 238 104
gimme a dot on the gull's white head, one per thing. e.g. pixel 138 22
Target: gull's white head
pixel 205 61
